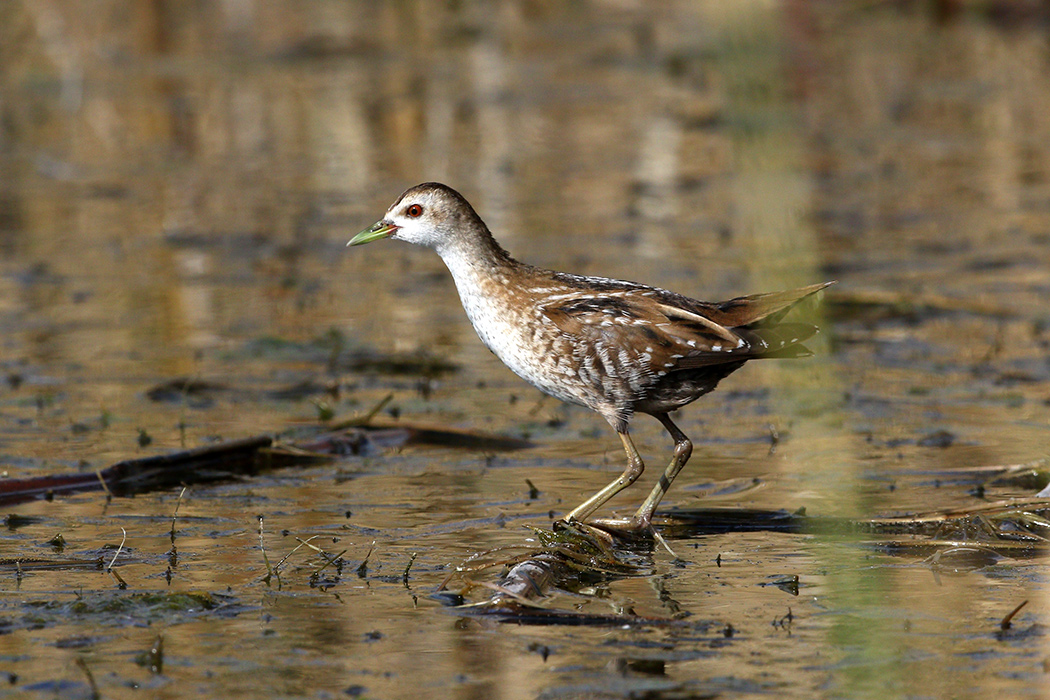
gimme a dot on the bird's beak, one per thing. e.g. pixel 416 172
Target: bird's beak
pixel 380 229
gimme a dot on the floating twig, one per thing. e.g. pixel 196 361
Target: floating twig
pixel 534 492
pixel 102 480
pixel 176 513
pixel 329 560
pixel 306 543
pixel 362 570
pixel 266 560
pixel 109 569
pixel 1007 621
pixel 302 543
pixel 377 408
pixel 404 576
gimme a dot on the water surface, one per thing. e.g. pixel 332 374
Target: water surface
pixel 178 183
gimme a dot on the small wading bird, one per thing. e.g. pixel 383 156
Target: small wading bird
pixel 617 347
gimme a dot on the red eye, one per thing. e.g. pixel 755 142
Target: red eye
pixel 414 210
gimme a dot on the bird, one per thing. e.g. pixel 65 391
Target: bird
pixel 614 346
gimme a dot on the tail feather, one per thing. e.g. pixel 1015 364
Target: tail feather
pixel 762 309
pixel 754 320
pixel 781 340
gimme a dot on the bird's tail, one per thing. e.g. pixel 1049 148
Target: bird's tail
pixel 767 336
pixel 783 340
pixel 762 309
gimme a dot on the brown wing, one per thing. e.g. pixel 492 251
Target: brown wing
pixel 673 332
pixel 661 337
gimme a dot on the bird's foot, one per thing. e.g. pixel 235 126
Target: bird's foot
pixel 613 531
pixel 633 529
pixel 629 531
pixel 579 527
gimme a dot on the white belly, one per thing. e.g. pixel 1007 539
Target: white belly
pixel 523 339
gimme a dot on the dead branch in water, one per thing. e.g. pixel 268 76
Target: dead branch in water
pixel 247 457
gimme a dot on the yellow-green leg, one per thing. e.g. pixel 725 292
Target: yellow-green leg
pixel 634 469
pixel 683 449
pixel 641 521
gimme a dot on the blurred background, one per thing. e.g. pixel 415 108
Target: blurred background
pixel 178 181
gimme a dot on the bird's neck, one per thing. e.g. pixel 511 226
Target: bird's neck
pixel 477 259
pixel 484 274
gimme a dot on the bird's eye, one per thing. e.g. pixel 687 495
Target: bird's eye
pixel 414 210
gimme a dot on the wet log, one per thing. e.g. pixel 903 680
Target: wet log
pixel 201 464
pixel 247 457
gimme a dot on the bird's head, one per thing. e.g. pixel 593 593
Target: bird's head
pixel 430 214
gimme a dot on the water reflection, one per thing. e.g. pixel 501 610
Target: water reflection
pixel 179 181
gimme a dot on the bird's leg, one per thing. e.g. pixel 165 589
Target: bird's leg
pixel 683 448
pixel 630 475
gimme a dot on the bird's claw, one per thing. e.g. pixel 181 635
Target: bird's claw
pixel 630 531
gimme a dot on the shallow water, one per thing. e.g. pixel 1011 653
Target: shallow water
pixel 178 183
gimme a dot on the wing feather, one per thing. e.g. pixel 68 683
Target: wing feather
pixel 672 332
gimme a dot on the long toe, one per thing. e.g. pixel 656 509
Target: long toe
pixel 631 529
